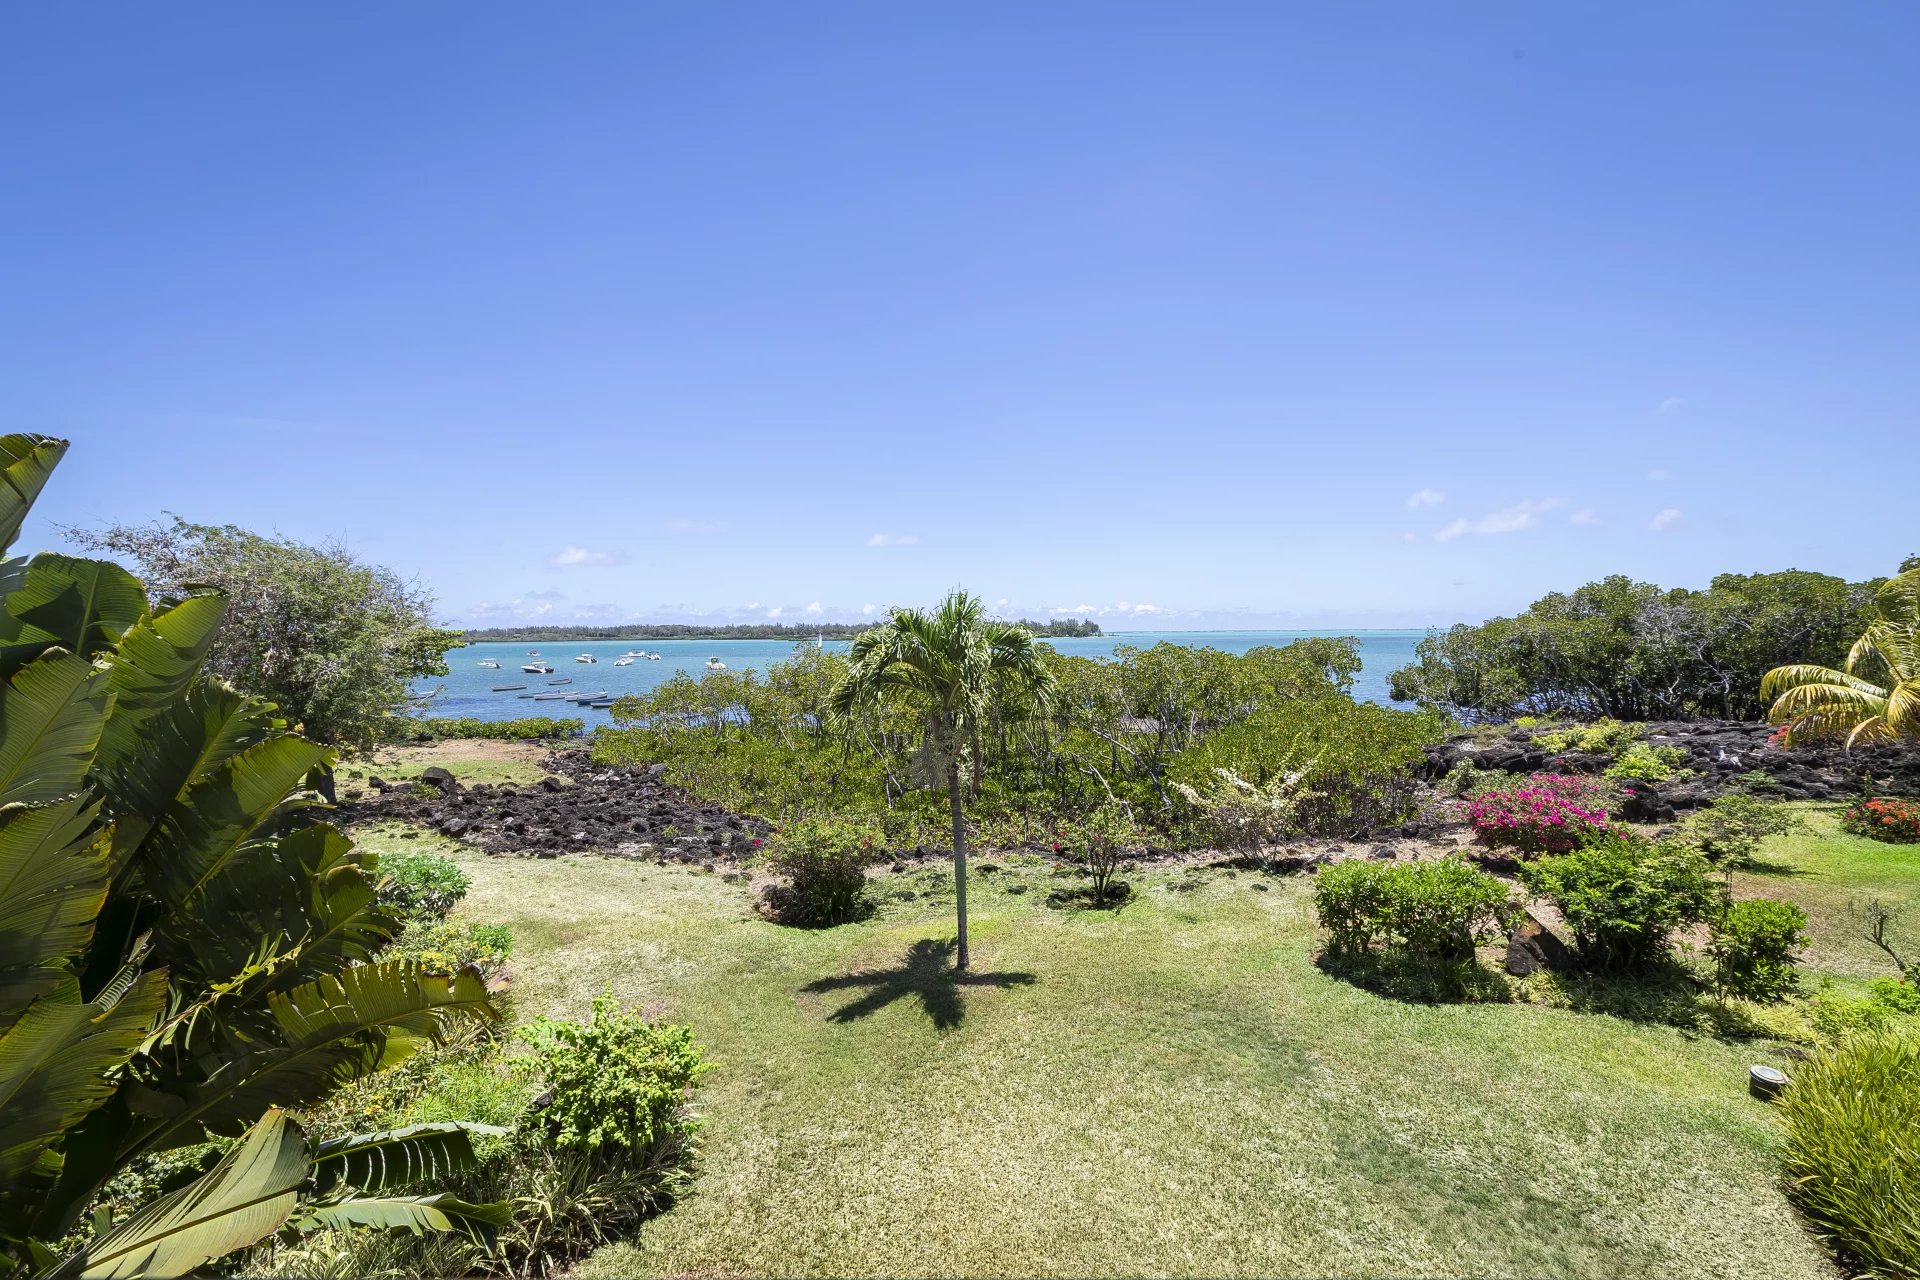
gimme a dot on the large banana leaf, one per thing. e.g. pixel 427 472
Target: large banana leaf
pixel 51 714
pixel 396 1158
pixel 302 1045
pixel 57 1063
pixel 25 463
pixel 206 825
pixel 84 606
pixel 418 1214
pixel 53 882
pixel 186 742
pixel 305 893
pixel 239 1202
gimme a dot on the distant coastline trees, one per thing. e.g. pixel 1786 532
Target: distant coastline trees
pixel 1636 651
pixel 1056 629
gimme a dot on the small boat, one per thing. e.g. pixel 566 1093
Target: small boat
pixel 538 668
pixel 714 664
pixel 533 653
pixel 562 680
pixel 507 688
pixel 489 664
pixel 653 657
pixel 584 698
pixel 549 696
pixel 634 653
pixel 625 660
pixel 586 657
pixel 601 704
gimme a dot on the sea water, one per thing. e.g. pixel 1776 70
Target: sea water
pixel 468 688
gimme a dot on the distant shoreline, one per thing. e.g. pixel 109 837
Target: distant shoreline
pixel 1058 628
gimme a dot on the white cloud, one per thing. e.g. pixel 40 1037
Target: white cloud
pixel 1147 608
pixel 1665 520
pixel 867 610
pixel 1669 404
pixel 893 539
pixel 813 610
pixel 1521 515
pixel 1659 473
pixel 568 557
pixel 1425 498
pixel 694 526
pixel 775 612
pixel 1584 516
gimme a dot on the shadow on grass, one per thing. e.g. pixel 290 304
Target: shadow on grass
pixel 927 975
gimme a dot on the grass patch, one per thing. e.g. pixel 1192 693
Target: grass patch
pixel 1822 869
pixel 470 760
pixel 1171 1087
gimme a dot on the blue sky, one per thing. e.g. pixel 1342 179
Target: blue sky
pixel 1197 314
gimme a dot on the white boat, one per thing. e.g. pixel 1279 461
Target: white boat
pixel 533 653
pixel 489 664
pixel 625 660
pixel 634 653
pixel 653 657
pixel 714 664
pixel 586 657
pixel 537 668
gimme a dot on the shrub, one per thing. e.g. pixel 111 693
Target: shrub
pixel 444 946
pixel 1551 813
pixel 1732 827
pixel 1102 841
pixel 526 729
pixel 1604 737
pixel 1623 896
pixel 421 886
pixel 617 1084
pixel 824 860
pixel 1754 945
pixel 1435 911
pixel 1884 818
pixel 1353 762
pixel 1234 813
pixel 1852 1119
pixel 1885 1007
pixel 1639 762
pixel 1758 782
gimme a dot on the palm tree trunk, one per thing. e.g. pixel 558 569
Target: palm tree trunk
pixel 959 860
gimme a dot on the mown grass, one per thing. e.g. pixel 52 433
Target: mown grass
pixel 1824 869
pixel 470 760
pixel 1171 1088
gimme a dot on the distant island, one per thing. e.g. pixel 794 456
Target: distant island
pixel 1058 628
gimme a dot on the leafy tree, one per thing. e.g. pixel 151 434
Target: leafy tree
pixel 185 950
pixel 1875 695
pixel 330 640
pixel 951 665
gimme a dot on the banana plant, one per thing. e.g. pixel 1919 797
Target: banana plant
pixel 187 949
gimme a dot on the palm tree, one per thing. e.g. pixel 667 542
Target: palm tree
pixel 1875 696
pixel 951 662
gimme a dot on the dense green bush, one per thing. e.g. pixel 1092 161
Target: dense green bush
pixel 421 886
pixel 1732 827
pixel 525 729
pixel 617 1084
pixel 1852 1118
pixel 446 945
pixel 1755 945
pixel 1641 762
pixel 1436 911
pixel 1604 737
pixel 1354 761
pixel 1623 896
pixel 1101 842
pixel 825 861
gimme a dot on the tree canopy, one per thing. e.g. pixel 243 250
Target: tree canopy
pixel 333 641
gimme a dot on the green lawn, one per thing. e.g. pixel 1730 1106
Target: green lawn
pixel 1172 1088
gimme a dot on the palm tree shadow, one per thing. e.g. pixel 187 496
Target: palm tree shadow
pixel 927 973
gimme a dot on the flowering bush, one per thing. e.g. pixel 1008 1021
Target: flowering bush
pixel 1881 818
pixel 1549 813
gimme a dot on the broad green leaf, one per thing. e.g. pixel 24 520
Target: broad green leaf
pixel 393 1158
pixel 84 606
pixel 239 1202
pixel 57 1063
pixel 206 826
pixel 417 1214
pixel 25 463
pixel 305 892
pixel 53 883
pixel 51 715
pixel 305 1043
